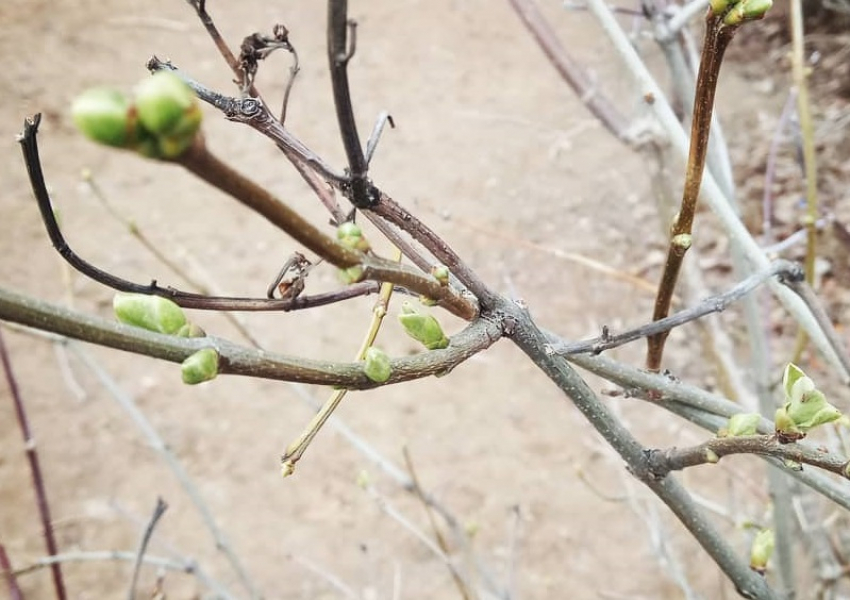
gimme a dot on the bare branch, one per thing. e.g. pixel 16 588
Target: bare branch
pixel 158 511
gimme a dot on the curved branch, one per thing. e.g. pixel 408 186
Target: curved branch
pixel 239 360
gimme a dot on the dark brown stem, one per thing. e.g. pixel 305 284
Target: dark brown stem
pixel 717 38
pixel 15 592
pixel 662 462
pixel 340 51
pixel 35 469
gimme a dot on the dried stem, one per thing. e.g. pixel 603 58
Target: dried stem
pixel 35 469
pixel 717 38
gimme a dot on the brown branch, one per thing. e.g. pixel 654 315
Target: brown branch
pixel 9 575
pixel 717 38
pixel 571 71
pixel 35 470
pixel 239 360
pixel 662 462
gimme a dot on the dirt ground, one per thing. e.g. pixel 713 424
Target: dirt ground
pixel 487 138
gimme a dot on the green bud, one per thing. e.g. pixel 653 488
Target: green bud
pixel 683 241
pixel 191 330
pixel 166 105
pixel 711 456
pixel 153 313
pixel 786 428
pixel 350 235
pixel 718 7
pixel 377 365
pixel 762 550
pixel 742 424
pixel 423 328
pixel 200 366
pixel 103 115
pixel 441 274
pixel 426 301
pixel 351 274
pixel 747 10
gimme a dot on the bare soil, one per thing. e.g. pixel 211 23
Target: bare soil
pixel 494 151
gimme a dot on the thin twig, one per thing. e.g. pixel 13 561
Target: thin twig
pixel 158 445
pixel 785 270
pixel 462 587
pixel 571 71
pixel 158 511
pixel 15 592
pixel 35 469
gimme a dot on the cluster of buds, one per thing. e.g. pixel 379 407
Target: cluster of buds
pixel 423 328
pixel 735 12
pixel 160 121
pixel 161 315
pixel 805 408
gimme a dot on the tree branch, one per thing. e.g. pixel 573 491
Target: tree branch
pixel 661 462
pixel 238 360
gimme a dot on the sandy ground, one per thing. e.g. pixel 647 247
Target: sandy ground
pixel 488 138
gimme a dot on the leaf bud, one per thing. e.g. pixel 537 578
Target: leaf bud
pixel 761 550
pixel 103 115
pixel 377 365
pixel 423 328
pixel 741 424
pixel 200 366
pixel 168 108
pixel 441 274
pixel 153 313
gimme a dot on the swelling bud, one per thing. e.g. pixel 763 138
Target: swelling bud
pixel 153 313
pixel 200 367
pixel 741 424
pixel 168 109
pixel 422 328
pixel 103 115
pixel 377 365
pixel 761 550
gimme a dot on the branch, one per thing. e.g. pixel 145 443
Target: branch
pixel 238 360
pixel 35 469
pixel 571 71
pixel 785 270
pixel 717 38
pixel 710 192
pixel 661 462
pixel 340 51
pixel 158 511
pixel 14 588
pixel 534 343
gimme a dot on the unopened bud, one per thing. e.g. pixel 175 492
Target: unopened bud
pixel 747 10
pixel 153 313
pixel 377 365
pixel 423 328
pixel 441 274
pixel 762 550
pixel 168 108
pixel 200 366
pixel 103 115
pixel 351 236
pixel 351 275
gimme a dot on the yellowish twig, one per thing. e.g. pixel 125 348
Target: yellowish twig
pixel 296 449
pixel 800 76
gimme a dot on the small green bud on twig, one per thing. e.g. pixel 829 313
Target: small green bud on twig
pixel 377 365
pixel 441 274
pixel 741 424
pixel 351 236
pixel 711 456
pixel 153 313
pixel 761 550
pixel 351 274
pixel 200 366
pixel 422 328
pixel 168 109
pixel 747 10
